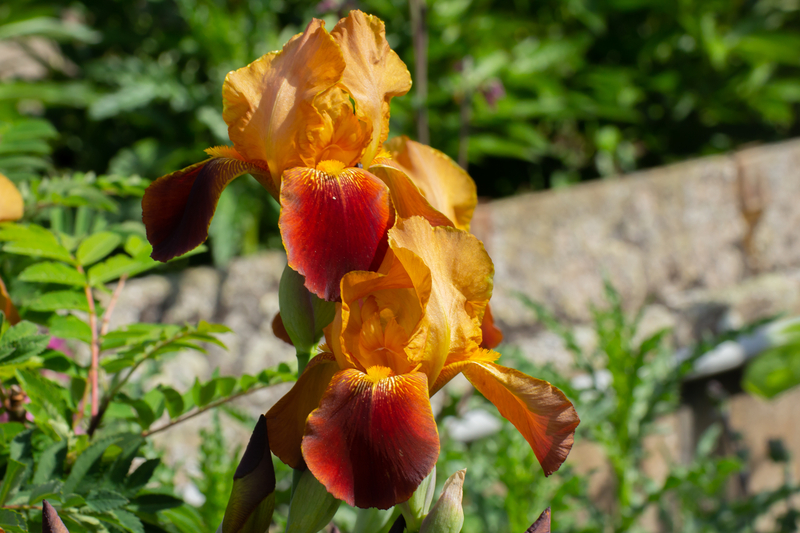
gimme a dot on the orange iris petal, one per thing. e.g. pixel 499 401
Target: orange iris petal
pixel 7 306
pixel 372 441
pixel 373 76
pixel 332 225
pixel 407 199
pixel 268 105
pixel 447 187
pixel 541 412
pixel 286 421
pixel 492 336
pixel 177 208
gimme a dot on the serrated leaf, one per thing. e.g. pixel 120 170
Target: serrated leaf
pixel 45 394
pixel 50 490
pixel 50 272
pixel 12 521
pixel 117 265
pixel 70 327
pixel 51 463
pixel 105 500
pixel 84 462
pixel 96 247
pixel 15 473
pixel 60 300
pixel 21 342
pixel 39 245
pixel 129 521
pixel 141 475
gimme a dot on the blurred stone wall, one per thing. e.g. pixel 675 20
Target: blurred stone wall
pixel 704 245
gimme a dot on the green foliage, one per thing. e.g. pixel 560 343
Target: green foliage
pixel 777 369
pixel 631 381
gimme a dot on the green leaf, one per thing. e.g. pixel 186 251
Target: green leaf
pixel 105 500
pixel 225 385
pixel 49 272
pixel 96 247
pixel 86 460
pixel 117 265
pixel 21 342
pixel 173 400
pixel 186 518
pixel 70 327
pixel 15 474
pixel 151 503
pixel 304 315
pixel 141 476
pixel 51 463
pixel 774 371
pixel 12 521
pixel 50 490
pixel 60 300
pixel 38 244
pixel 47 395
pixel 203 393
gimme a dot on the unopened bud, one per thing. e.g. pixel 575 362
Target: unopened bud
pixel 447 516
pixel 415 509
pixel 312 506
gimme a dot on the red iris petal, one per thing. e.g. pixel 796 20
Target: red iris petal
pixel 332 225
pixel 492 336
pixel 177 208
pixel 372 443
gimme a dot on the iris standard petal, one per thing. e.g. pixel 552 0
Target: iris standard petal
pixel 461 276
pixel 373 76
pixel 541 412
pixel 332 224
pixel 407 199
pixel 373 439
pixel 268 105
pixel 447 187
pixel 177 208
pixel 286 421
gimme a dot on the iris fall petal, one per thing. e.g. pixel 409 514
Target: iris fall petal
pixel 541 412
pixel 286 420
pixel 373 438
pixel 177 208
pixel 333 224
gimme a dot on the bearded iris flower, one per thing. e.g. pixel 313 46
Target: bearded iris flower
pixel 308 122
pixel 360 416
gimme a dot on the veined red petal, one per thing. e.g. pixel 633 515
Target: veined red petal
pixel 177 208
pixel 287 418
pixel 333 224
pixel 541 412
pixel 372 441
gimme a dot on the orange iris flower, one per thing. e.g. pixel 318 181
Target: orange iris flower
pixel 360 417
pixel 308 122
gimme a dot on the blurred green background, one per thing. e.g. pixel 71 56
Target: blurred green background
pixel 531 95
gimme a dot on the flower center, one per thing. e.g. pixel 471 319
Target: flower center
pixel 331 167
pixel 377 373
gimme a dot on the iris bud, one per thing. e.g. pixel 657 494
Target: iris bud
pixel 312 506
pixel 447 516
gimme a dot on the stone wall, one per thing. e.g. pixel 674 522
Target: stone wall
pixel 704 245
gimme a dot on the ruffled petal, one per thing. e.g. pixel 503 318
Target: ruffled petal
pixel 447 187
pixel 268 105
pixel 11 205
pixel 177 208
pixel 373 76
pixel 372 441
pixel 461 276
pixel 491 334
pixel 333 224
pixel 541 412
pixel 407 199
pixel 286 421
